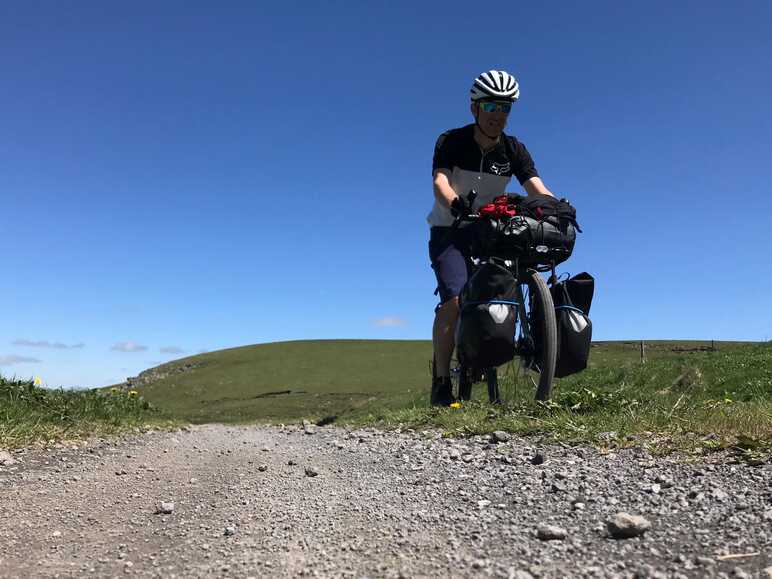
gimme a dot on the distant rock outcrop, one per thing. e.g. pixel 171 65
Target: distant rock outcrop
pixel 158 373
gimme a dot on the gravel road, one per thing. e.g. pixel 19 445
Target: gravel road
pixel 327 502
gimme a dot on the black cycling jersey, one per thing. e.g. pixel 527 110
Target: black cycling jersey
pixel 487 172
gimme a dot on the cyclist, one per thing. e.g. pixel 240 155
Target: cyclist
pixel 477 156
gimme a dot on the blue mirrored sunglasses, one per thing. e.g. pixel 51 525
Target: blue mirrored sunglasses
pixel 491 107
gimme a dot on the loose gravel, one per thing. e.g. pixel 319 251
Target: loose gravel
pixel 223 501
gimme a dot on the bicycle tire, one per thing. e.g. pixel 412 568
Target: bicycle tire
pixel 540 300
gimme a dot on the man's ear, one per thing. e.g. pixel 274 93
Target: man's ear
pixel 473 106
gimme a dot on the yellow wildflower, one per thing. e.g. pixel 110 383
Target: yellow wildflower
pixel 456 405
pixel 133 393
pixel 38 381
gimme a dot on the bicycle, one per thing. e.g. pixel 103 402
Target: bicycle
pixel 535 341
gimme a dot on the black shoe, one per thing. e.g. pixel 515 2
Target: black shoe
pixel 442 393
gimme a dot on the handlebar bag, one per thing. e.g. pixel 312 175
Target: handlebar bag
pixel 485 332
pixel 530 240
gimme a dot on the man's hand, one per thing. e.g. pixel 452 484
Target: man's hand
pixel 460 207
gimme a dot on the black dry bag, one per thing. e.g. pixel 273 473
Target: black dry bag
pixel 573 298
pixel 485 334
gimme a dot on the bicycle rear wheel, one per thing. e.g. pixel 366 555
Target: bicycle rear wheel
pixel 539 340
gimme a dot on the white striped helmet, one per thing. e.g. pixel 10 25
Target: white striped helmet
pixel 495 84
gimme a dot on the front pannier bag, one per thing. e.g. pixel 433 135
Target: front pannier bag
pixel 572 299
pixel 485 334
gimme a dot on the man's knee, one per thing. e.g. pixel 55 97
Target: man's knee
pixel 447 307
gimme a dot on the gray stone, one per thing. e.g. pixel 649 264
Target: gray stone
pixel 6 459
pixel 626 526
pixel 165 508
pixel 648 572
pixel 551 533
pixel 719 495
pixel 705 561
pixel 309 428
pixel 500 436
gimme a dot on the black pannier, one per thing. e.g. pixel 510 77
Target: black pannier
pixel 542 232
pixel 485 334
pixel 573 298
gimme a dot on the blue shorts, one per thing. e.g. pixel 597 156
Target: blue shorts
pixel 449 254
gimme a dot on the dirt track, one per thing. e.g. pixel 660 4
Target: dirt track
pixel 247 504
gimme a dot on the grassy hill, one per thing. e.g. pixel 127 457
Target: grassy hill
pixel 289 381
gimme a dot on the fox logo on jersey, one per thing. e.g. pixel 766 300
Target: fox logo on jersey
pixel 499 168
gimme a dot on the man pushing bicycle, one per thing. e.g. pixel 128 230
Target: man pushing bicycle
pixel 479 157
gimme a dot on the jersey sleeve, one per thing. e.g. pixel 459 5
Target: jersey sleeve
pixel 442 153
pixel 523 168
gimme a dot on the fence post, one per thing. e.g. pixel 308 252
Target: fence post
pixel 643 352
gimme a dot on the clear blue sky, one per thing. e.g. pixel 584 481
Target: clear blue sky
pixel 192 176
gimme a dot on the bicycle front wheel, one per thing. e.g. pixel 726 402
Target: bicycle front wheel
pixel 542 329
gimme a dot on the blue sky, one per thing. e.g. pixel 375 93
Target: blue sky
pixel 192 176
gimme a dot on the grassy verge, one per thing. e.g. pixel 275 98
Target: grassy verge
pixel 698 401
pixel 694 396
pixel 30 414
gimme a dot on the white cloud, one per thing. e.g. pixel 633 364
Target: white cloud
pixel 47 344
pixel 128 347
pixel 172 350
pixel 13 359
pixel 390 322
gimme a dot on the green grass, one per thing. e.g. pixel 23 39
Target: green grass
pixel 681 392
pixel 30 414
pixel 288 381
pixel 683 396
pixel 703 400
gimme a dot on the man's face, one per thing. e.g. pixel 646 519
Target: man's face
pixel 492 115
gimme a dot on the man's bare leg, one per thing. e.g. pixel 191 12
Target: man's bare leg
pixel 443 336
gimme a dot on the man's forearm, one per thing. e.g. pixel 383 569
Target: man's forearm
pixel 535 186
pixel 443 192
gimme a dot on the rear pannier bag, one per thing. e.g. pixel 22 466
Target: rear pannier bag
pixel 485 333
pixel 572 299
